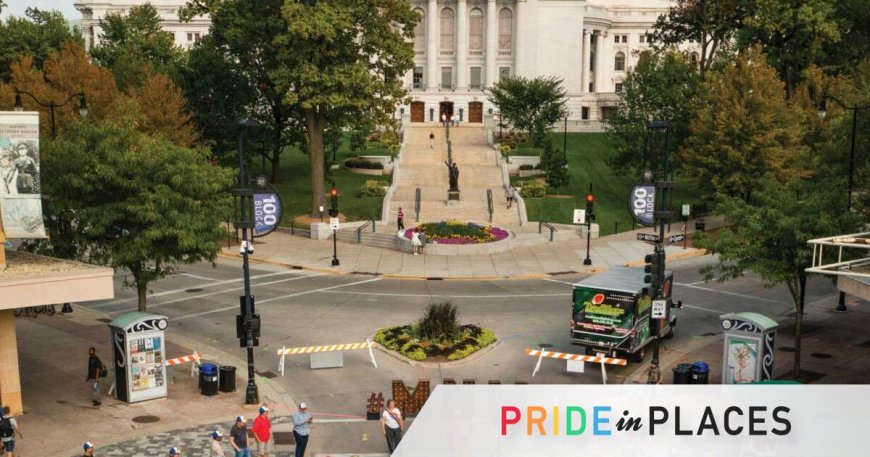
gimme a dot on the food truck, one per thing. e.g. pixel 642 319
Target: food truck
pixel 611 313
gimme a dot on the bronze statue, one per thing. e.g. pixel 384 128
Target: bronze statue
pixel 453 171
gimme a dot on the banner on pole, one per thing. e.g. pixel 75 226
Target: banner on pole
pixel 20 198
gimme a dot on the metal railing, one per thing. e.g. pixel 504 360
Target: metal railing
pixel 417 198
pixel 489 203
pixel 294 230
pixel 359 230
pixel 542 224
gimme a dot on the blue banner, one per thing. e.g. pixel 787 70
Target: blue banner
pixel 642 203
pixel 267 212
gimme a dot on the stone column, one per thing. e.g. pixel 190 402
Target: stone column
pixel 600 61
pixel 519 39
pixel 10 379
pixel 584 73
pixel 432 46
pixel 491 42
pixel 462 46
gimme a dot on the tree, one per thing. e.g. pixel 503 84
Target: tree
pixel 140 204
pixel 792 34
pixel 709 23
pixel 37 35
pixel 131 45
pixel 852 17
pixel 662 86
pixel 557 169
pixel 164 110
pixel 530 105
pixel 743 129
pixel 343 60
pixel 769 237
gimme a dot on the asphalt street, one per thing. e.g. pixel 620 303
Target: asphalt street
pixel 305 308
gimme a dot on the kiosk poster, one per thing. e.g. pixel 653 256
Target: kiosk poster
pixel 20 199
pixel 146 363
pixel 742 360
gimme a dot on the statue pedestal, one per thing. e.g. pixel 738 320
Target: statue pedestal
pixel 452 197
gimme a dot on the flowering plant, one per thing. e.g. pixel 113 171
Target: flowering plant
pixel 458 232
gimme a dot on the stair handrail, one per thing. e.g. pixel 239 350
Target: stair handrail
pixel 542 224
pixel 417 198
pixel 489 203
pixel 359 229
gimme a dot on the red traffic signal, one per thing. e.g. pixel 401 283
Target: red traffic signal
pixel 590 198
pixel 333 193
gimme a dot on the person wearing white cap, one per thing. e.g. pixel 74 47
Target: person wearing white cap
pixel 302 421
pixel 239 438
pixel 262 431
pixel 216 449
pixel 89 449
pixel 173 452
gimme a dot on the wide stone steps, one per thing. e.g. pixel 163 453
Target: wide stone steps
pixel 381 239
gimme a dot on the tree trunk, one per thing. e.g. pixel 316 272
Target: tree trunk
pixel 798 326
pixel 142 291
pixel 316 122
pixel 276 154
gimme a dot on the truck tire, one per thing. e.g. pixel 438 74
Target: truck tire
pixel 636 356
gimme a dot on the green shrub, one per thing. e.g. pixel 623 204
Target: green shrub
pixel 418 354
pixel 372 188
pixel 527 166
pixel 439 322
pixel 365 164
pixel 463 353
pixel 385 341
pixel 486 338
pixel 532 189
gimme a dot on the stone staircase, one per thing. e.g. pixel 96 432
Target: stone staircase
pixel 385 237
pixel 424 167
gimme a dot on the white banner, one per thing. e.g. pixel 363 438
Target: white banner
pixel 641 420
pixel 20 199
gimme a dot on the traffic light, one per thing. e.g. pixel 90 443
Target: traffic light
pixel 648 268
pixel 333 208
pixel 654 268
pixel 590 203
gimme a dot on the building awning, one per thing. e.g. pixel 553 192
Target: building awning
pixel 34 280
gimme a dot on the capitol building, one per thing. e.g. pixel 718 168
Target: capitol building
pixel 463 46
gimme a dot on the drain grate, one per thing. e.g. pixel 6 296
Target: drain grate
pixel 296 267
pixel 267 374
pixel 434 278
pixel 821 355
pixel 283 438
pixel 563 273
pixel 146 419
pixel 545 345
pixel 190 291
pixel 710 334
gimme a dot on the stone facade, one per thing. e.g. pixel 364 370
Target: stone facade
pixel 186 34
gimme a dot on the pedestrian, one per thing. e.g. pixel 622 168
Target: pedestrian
pixel 400 220
pixel 262 430
pixel 654 375
pixel 239 438
pixel 174 452
pixel 509 195
pixel 416 243
pixel 431 140
pixel 89 449
pixel 302 428
pixel 392 425
pixel 96 370
pixel 444 120
pixel 217 449
pixel 8 429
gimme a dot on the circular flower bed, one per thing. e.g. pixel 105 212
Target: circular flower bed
pixel 458 232
pixel 407 341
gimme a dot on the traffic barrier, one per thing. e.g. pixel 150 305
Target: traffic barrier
pixel 285 351
pixel 600 359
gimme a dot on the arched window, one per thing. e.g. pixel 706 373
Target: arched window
pixel 420 31
pixel 505 29
pixel 475 30
pixel 448 30
pixel 619 62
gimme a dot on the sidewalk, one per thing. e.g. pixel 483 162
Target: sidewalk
pixel 536 259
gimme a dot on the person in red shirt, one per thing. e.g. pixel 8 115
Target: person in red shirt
pixel 262 430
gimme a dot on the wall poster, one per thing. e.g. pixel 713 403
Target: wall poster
pixel 20 198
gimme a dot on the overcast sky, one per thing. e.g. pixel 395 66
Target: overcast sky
pixel 17 7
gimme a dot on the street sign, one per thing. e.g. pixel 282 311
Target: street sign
pixel 333 223
pixel 674 239
pixel 647 237
pixel 267 210
pixel 658 309
pixel 579 216
pixel 687 210
pixel 642 203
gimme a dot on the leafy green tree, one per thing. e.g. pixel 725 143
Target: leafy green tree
pixel 769 237
pixel 852 17
pixel 709 23
pixel 662 86
pixel 140 204
pixel 557 170
pixel 343 59
pixel 38 35
pixel 530 105
pixel 743 130
pixel 131 44
pixel 792 34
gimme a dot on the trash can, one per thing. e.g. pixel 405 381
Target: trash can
pixel 700 225
pixel 227 379
pixel 208 379
pixel 700 373
pixel 683 374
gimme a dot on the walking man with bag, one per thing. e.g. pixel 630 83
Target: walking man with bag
pixel 8 429
pixel 96 370
pixel 392 425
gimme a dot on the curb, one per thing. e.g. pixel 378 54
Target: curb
pixel 677 256
pixel 414 363
pixel 288 265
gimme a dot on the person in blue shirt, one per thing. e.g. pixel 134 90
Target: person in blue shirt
pixel 302 421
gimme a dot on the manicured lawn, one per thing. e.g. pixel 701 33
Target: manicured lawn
pixel 587 155
pixel 295 188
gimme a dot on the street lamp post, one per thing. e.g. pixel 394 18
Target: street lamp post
pixel 333 213
pixel 841 303
pixel 250 322
pixel 565 140
pixel 662 215
pixel 52 105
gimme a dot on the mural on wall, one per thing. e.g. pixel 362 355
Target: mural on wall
pixel 20 198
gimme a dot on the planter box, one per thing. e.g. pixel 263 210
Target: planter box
pixel 524 160
pixel 386 160
pixel 460 249
pixel 527 173
pixel 367 171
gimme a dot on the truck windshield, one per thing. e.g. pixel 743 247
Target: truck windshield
pixel 604 312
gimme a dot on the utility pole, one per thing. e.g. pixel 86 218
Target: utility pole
pixel 663 216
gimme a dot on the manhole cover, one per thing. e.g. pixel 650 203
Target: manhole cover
pixel 267 374
pixel 193 290
pixel 821 355
pixel 545 345
pixel 147 419
pixel 710 334
pixel 786 349
pixel 283 438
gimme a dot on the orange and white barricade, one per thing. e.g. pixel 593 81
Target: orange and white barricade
pixel 192 358
pixel 285 351
pixel 600 359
